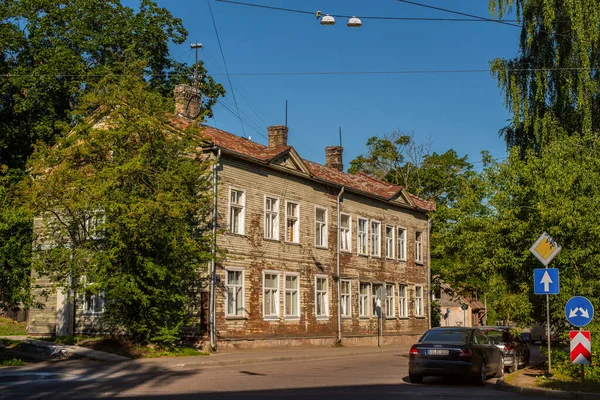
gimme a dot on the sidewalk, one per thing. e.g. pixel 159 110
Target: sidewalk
pixel 525 382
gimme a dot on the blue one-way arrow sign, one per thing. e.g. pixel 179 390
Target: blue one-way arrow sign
pixel 545 281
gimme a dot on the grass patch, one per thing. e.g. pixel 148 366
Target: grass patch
pixel 124 347
pixel 9 327
pixel 9 342
pixel 563 382
pixel 13 362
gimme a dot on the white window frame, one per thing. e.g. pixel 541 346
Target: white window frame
pixel 390 300
pixel 390 246
pixel 419 309
pixel 296 315
pixel 403 301
pixel 242 215
pixel 272 218
pixel 346 298
pixel 94 224
pixel 321 227
pixel 243 293
pixel 325 293
pixel 419 247
pixel 296 225
pixel 346 234
pixel 375 239
pixel 275 296
pixel 401 243
pixel 364 300
pixel 362 238
pixel 91 302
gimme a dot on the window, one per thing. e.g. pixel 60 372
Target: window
pixel 271 218
pixel 378 298
pixel 234 283
pixel 375 238
pixel 389 241
pixel 292 216
pixel 94 224
pixel 419 301
pixel 345 232
pixel 390 305
pixel 271 295
pixel 93 303
pixel 237 205
pixel 362 236
pixel 320 227
pixel 346 298
pixel 401 244
pixel 322 300
pixel 403 303
pixel 292 299
pixel 419 247
pixel 363 299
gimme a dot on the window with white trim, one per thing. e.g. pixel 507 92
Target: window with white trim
pixel 419 246
pixel 234 284
pixel 292 296
pixel 401 244
pixel 375 238
pixel 271 218
pixel 322 297
pixel 292 218
pixel 320 227
pixel 345 232
pixel 94 225
pixel 271 294
pixel 346 297
pixel 403 301
pixel 93 303
pixel 378 296
pixel 390 304
pixel 389 241
pixel 363 299
pixel 237 211
pixel 419 301
pixel 362 236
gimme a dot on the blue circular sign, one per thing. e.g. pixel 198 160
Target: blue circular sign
pixel 579 311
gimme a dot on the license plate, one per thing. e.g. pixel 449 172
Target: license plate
pixel 438 352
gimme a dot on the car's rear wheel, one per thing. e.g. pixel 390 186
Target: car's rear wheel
pixel 415 378
pixel 500 372
pixel 481 377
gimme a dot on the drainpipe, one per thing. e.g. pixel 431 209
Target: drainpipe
pixel 213 265
pixel 429 223
pixel 339 284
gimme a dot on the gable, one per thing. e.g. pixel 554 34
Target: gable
pixel 402 198
pixel 290 160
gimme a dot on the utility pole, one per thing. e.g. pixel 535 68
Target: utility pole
pixel 196 46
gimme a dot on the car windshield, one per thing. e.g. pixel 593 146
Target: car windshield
pixel 498 336
pixel 446 336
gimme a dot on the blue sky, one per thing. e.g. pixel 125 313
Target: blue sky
pixel 462 111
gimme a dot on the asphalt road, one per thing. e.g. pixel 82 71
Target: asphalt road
pixel 377 376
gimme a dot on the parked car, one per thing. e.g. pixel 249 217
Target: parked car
pixel 455 351
pixel 515 350
pixel 540 334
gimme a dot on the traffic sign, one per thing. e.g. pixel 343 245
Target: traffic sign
pixel 545 281
pixel 579 311
pixel 581 347
pixel 545 249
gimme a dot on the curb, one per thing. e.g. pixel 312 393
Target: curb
pixel 557 394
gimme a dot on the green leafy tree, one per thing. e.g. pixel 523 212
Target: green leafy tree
pixel 125 199
pixel 552 86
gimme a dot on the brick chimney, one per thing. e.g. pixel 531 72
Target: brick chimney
pixel 277 135
pixel 333 157
pixel 188 102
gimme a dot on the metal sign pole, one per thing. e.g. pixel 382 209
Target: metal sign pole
pixel 582 368
pixel 548 334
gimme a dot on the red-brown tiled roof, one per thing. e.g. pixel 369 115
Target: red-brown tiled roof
pixel 359 182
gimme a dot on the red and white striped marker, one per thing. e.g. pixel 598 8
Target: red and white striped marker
pixel 581 347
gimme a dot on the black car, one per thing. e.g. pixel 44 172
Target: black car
pixel 455 351
pixel 515 350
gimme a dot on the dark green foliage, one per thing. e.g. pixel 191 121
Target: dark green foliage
pixel 148 189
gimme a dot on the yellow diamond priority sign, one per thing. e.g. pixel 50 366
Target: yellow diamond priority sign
pixel 545 249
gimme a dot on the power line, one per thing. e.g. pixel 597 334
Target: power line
pixel 372 17
pixel 225 63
